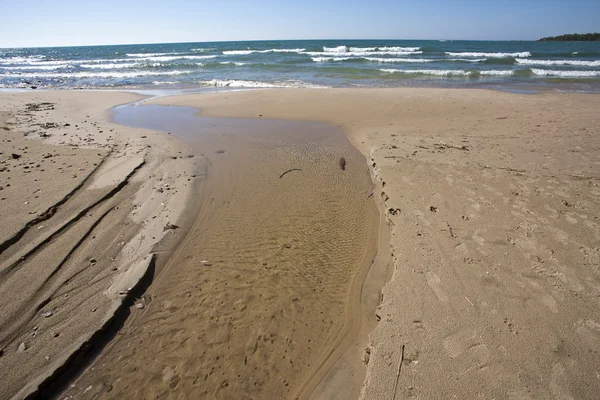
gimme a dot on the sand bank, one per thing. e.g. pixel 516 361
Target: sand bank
pixel 81 222
pixel 492 202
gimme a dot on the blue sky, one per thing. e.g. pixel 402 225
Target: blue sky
pixel 70 22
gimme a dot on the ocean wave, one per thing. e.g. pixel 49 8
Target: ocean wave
pixel 239 64
pixel 363 48
pixel 372 50
pixel 110 66
pixel 469 60
pixel 501 72
pixel 400 60
pixel 449 72
pixel 361 53
pixel 38 67
pixel 582 63
pixel 246 52
pixel 338 49
pixel 172 58
pixel 374 59
pixel 152 54
pixel 258 84
pixel 434 72
pixel 238 52
pixel 201 50
pixel 283 51
pixel 133 74
pixel 397 48
pixel 565 74
pixel 21 60
pixel 490 55
pixel 327 59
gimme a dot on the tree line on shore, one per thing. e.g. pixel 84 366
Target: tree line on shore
pixel 573 37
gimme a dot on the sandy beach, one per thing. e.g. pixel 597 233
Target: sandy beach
pixel 456 256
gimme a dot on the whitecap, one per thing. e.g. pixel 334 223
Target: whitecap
pixel 117 75
pixel 398 48
pixel 361 53
pixel 490 55
pixel 258 84
pixel 582 63
pixel 152 54
pixel 338 49
pixel 565 74
pixel 435 72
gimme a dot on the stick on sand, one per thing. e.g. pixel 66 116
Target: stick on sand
pixel 398 373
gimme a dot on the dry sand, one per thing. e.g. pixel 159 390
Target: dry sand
pixel 80 225
pixel 490 203
pixel 493 206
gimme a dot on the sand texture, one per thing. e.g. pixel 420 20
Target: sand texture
pixel 492 202
pixel 259 295
pixel 489 206
pixel 78 226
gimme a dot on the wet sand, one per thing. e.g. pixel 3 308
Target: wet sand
pixel 260 293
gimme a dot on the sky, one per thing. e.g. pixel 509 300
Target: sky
pixel 94 22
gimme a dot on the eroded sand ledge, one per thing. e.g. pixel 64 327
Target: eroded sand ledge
pixel 492 200
pixel 81 225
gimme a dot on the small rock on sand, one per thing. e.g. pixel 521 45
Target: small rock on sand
pixel 22 347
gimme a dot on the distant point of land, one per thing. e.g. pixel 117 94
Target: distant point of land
pixel 573 37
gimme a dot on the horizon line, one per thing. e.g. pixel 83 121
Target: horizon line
pixel 265 40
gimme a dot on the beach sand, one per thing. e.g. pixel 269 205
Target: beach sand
pixel 80 226
pixel 492 202
pixel 488 250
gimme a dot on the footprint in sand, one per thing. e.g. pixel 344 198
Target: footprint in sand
pixel 434 283
pixel 589 332
pixel 467 342
pixel 558 384
pixel 480 240
pixel 419 214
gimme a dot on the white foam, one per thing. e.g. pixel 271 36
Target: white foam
pixel 361 53
pixel 435 72
pixel 246 52
pixel 171 58
pixel 95 74
pixel 152 54
pixel 582 63
pixel 283 51
pixel 21 60
pixel 400 60
pixel 327 59
pixel 238 52
pixel 201 50
pixel 363 48
pixel 490 55
pixel 565 74
pixel 110 66
pixel 37 67
pixel 499 72
pixel 338 49
pixel 396 48
pixel 471 60
pixel 258 84
pixel 239 64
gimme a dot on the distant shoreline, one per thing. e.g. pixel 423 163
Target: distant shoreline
pixel 573 37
